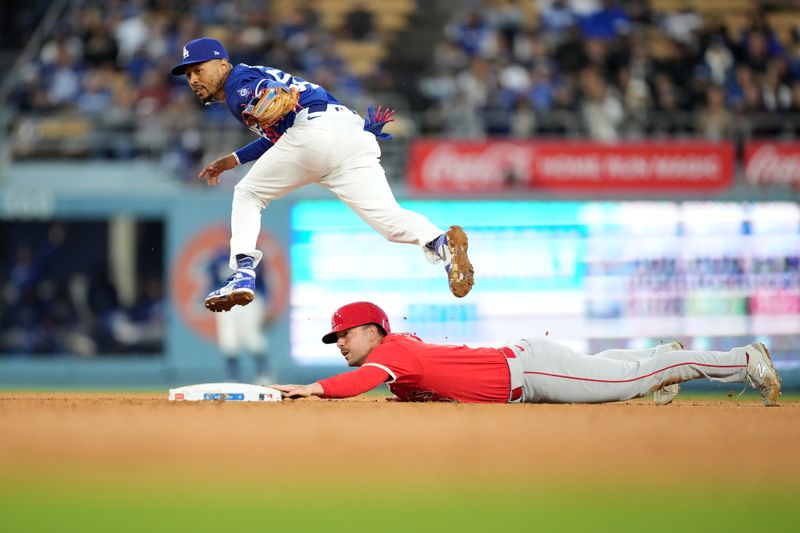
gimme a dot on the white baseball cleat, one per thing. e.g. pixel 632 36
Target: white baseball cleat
pixel 460 273
pixel 762 374
pixel 451 248
pixel 239 289
pixel 667 393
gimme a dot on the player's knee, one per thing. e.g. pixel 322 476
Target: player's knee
pixel 244 195
pixel 395 234
pixel 397 225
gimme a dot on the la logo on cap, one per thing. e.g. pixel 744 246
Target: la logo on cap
pixel 185 52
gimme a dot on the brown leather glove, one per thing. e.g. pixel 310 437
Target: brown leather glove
pixel 270 105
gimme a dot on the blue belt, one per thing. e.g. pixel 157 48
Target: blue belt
pixel 317 108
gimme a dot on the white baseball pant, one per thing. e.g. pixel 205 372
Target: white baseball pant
pixel 332 149
pixel 548 372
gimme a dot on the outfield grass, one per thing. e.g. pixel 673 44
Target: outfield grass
pixel 403 506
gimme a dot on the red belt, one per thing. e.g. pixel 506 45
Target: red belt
pixel 516 394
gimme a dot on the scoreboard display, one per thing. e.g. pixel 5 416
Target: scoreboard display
pixel 592 275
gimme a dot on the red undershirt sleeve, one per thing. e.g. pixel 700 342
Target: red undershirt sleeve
pixel 354 383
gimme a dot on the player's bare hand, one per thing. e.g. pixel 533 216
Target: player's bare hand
pixel 294 392
pixel 212 171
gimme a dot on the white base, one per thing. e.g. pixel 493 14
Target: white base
pixel 229 392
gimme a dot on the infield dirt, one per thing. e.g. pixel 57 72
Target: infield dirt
pixel 375 437
pixel 102 462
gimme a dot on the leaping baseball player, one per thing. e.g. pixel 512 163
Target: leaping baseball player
pixel 305 136
pixel 530 370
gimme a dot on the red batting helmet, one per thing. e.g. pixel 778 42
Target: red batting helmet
pixel 356 314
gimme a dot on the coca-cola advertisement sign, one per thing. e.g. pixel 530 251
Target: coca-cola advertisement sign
pixel 768 163
pixel 485 166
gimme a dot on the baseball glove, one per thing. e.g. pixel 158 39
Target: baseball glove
pixel 270 105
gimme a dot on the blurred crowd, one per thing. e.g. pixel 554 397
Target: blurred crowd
pixel 99 86
pixel 107 66
pixel 610 70
pixel 57 297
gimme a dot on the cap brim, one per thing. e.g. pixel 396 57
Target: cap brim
pixel 179 70
pixel 330 338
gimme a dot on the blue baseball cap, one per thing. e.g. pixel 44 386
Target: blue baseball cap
pixel 200 51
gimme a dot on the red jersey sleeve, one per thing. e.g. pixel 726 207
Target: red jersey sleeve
pixel 354 383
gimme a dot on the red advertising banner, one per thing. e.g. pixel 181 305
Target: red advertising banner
pixel 483 166
pixel 770 163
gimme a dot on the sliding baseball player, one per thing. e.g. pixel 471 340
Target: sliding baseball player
pixel 305 136
pixel 530 370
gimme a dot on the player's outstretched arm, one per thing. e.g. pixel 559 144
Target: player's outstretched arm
pixel 212 171
pixel 294 392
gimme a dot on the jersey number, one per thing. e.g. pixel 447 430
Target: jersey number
pixel 286 78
